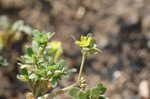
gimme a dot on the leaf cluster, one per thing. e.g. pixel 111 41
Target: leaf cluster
pixel 42 66
pixel 92 93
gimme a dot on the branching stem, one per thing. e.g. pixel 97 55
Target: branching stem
pixel 61 91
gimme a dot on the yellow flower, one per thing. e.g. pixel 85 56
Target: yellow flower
pixel 55 45
pixel 88 45
pixel 85 41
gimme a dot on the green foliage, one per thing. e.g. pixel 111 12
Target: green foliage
pixel 93 93
pixel 42 66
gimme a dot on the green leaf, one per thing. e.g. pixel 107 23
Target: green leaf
pixel 23 78
pixel 3 61
pixel 49 73
pixel 95 92
pixel 74 91
pixel 16 26
pixel 54 83
pixel 42 39
pixel 35 33
pixel 33 76
pixel 101 88
pixel 30 51
pixel 52 68
pixel 82 95
pixel 57 73
pixel 24 71
pixel 102 97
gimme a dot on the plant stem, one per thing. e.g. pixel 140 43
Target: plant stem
pixel 30 95
pixel 82 65
pixel 61 91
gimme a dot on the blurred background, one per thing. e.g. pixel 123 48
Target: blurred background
pixel 120 27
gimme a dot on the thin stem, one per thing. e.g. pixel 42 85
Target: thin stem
pixel 61 91
pixel 82 65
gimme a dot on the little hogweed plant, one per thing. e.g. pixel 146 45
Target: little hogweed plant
pixel 42 67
